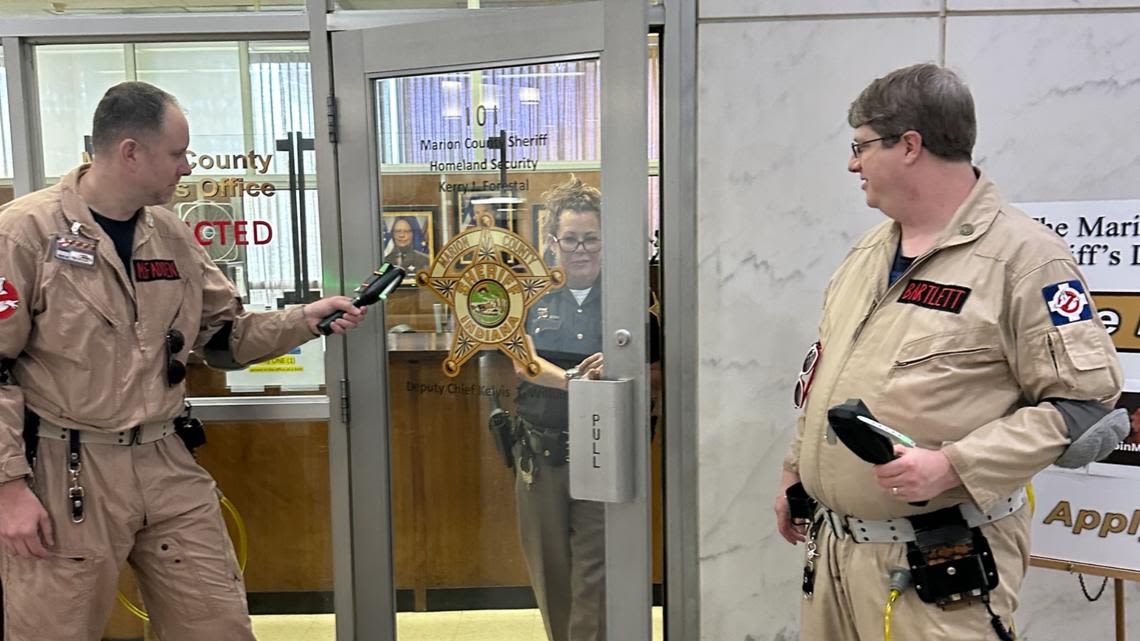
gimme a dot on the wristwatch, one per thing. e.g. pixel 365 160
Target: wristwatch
pixel 571 373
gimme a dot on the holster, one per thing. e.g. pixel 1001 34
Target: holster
pixel 800 505
pixel 190 430
pixel 503 429
pixel 949 560
pixel 31 436
pixel 551 446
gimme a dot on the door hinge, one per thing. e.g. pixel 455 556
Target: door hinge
pixel 345 402
pixel 330 104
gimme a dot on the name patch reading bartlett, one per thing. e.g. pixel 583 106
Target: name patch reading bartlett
pixel 944 298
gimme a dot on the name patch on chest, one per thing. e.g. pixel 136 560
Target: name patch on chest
pixel 148 270
pixel 944 298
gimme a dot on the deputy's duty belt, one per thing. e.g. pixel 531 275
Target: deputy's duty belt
pixel 900 530
pixel 137 435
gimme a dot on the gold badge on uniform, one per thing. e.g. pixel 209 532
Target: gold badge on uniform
pixel 490 277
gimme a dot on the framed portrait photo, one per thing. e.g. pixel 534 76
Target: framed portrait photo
pixel 471 206
pixel 407 236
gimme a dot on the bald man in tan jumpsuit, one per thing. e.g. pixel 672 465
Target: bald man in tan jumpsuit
pixel 960 322
pixel 87 350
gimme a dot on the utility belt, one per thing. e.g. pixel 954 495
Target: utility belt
pixel 540 447
pixel 189 429
pixel 548 445
pixel 949 557
pixel 138 435
pixel 902 530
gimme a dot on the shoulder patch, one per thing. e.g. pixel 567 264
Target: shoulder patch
pixel 9 298
pixel 1067 302
pixel 931 295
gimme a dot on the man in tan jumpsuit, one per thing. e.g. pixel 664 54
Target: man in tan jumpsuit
pixel 95 347
pixel 982 345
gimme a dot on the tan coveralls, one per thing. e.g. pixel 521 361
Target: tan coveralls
pixel 89 352
pixel 967 372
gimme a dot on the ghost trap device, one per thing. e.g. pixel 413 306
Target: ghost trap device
pixel 375 288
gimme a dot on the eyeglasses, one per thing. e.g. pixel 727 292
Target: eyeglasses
pixel 175 369
pixel 591 244
pixel 857 147
pixel 807 374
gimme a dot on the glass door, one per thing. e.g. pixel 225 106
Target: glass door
pixel 499 431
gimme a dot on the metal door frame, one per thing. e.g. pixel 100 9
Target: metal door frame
pixel 437 42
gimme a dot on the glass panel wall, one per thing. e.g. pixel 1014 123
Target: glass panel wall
pixel 356 5
pixel 483 551
pixel 251 203
pixel 6 169
pixel 47 8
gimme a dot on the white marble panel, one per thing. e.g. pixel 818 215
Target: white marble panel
pixel 777 212
pixel 1058 99
pixel 758 8
pixel 1010 5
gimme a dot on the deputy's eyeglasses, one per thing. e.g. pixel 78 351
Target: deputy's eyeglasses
pixel 857 147
pixel 591 244
pixel 807 374
pixel 175 369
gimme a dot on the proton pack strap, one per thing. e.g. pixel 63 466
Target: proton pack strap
pixel 31 436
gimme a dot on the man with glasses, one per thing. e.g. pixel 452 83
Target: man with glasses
pixel 109 293
pixel 964 324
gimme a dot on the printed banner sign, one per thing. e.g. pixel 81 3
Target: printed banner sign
pixel 1092 515
pixel 302 369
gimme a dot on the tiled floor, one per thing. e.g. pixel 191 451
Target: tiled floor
pixel 471 625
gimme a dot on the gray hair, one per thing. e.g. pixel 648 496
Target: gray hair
pixel 925 98
pixel 127 110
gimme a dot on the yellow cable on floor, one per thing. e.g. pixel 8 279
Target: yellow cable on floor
pixel 242 552
pixel 887 612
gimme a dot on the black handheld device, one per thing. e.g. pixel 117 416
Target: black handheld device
pixel 869 439
pixel 867 444
pixel 376 287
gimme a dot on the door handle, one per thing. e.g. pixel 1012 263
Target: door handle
pixel 601 440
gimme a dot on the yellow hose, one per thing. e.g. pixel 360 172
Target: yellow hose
pixel 242 552
pixel 1032 499
pixel 887 612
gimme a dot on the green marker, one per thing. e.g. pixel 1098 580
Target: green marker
pixel 890 433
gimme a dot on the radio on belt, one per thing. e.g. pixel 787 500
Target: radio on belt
pixel 601 440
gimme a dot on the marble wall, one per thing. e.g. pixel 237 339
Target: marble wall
pixel 1058 98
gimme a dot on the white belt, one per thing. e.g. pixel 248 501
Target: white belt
pixel 134 436
pixel 900 530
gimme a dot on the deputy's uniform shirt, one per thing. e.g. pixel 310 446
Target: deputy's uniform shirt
pixel 87 334
pixel 564 332
pixel 408 258
pixel 961 353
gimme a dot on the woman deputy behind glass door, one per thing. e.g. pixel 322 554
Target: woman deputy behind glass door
pixel 563 539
